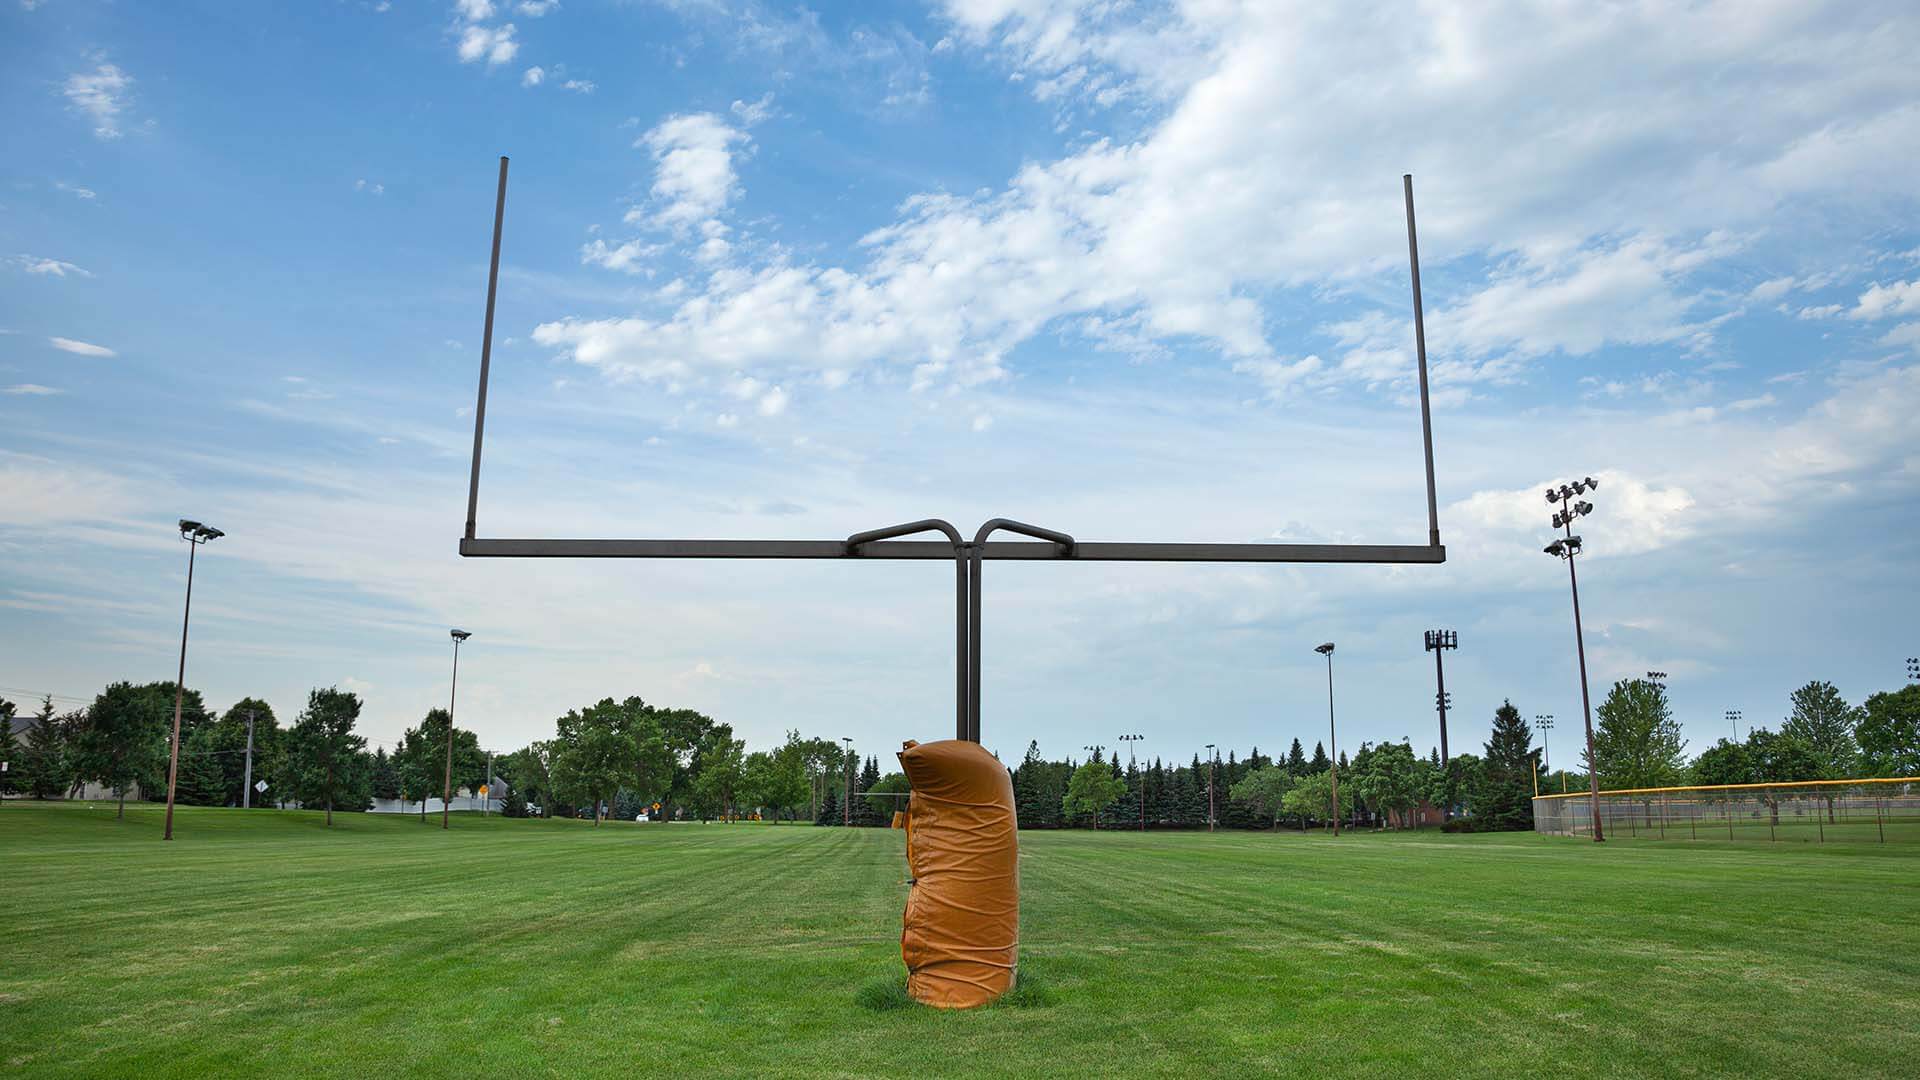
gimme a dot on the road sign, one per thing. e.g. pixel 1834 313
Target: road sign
pixel 260 785
pixel 483 791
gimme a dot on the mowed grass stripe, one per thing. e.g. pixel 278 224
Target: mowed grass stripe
pixel 265 943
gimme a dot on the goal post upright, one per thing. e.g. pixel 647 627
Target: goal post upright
pixel 967 555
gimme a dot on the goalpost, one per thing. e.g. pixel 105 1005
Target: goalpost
pixel 968 555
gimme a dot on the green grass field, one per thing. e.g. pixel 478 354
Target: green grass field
pixel 267 945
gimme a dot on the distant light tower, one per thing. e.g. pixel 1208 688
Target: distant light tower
pixel 1658 678
pixel 446 800
pixel 1544 721
pixel 1733 717
pixel 1333 752
pixel 194 534
pixel 1913 668
pixel 1565 496
pixel 1437 643
pixel 1211 755
pixel 1139 777
pixel 846 808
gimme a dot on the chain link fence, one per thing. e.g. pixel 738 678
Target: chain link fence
pixel 1813 811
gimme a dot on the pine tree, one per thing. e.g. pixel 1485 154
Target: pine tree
pixel 1320 763
pixel 1505 798
pixel 46 773
pixel 864 813
pixel 386 778
pixel 829 808
pixel 1296 760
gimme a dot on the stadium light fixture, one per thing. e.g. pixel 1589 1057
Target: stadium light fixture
pixel 446 798
pixel 1544 722
pixel 195 534
pixel 1734 717
pixel 1139 777
pixel 1566 548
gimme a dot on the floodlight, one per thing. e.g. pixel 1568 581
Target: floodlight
pixel 187 525
pixel 1325 649
pixel 1573 543
pixel 460 635
pixel 1583 507
pixel 210 533
pixel 1555 548
pixel 1552 496
pixel 1592 484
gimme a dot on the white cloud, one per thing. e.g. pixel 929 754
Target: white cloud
pixel 981 422
pixel 626 258
pixel 34 264
pixel 579 86
pixel 773 402
pixel 103 95
pixel 31 390
pixel 1771 290
pixel 369 187
pixel 75 190
pixel 694 176
pixel 474 10
pixel 750 113
pixel 493 44
pixel 533 76
pixel 1888 301
pixel 534 9
pixel 80 348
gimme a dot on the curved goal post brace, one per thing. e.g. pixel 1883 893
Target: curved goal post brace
pixel 967 555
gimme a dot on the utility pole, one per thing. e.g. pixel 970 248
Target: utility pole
pixel 486 797
pixel 246 784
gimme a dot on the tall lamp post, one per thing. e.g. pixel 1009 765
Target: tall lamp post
pixel 194 534
pixel 1734 717
pixel 1566 497
pixel 846 807
pixel 1138 776
pixel 446 800
pixel 1333 738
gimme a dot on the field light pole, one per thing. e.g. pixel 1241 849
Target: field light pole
pixel 1210 756
pixel 846 807
pixel 1140 777
pixel 194 534
pixel 1733 717
pixel 1913 669
pixel 446 800
pixel 1333 751
pixel 1571 507
pixel 1544 721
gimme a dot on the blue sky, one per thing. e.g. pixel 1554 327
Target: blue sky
pixel 1135 271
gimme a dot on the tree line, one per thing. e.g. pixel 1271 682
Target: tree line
pixel 624 758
